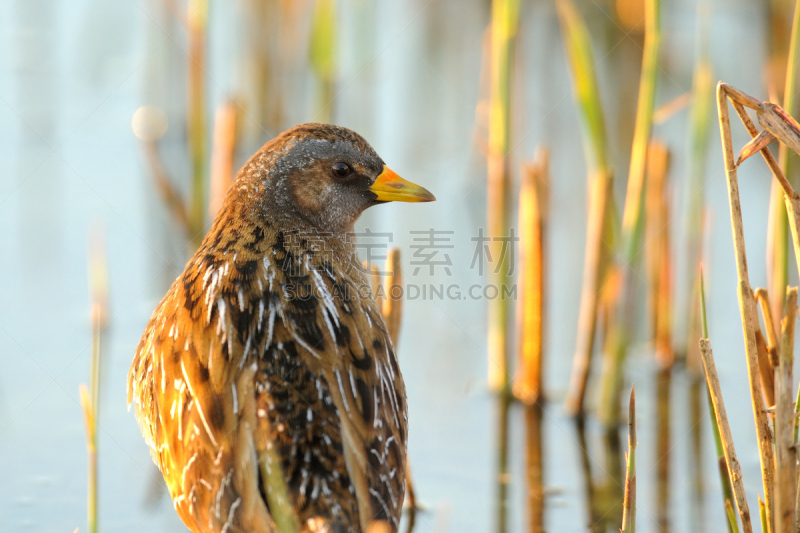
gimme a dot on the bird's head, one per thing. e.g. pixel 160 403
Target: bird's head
pixel 328 175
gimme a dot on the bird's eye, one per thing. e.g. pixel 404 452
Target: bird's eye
pixel 341 170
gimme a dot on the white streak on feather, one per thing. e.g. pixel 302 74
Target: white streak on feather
pixel 230 515
pixel 341 390
pixel 199 409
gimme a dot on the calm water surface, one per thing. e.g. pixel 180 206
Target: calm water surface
pixel 71 76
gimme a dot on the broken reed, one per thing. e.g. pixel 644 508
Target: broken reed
pixel 779 479
pixel 534 198
pixel 616 345
pixel 733 470
pixel 90 396
pixel 725 479
pixel 747 305
pixel 582 66
pixel 505 19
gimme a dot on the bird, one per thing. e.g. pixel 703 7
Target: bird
pixel 266 383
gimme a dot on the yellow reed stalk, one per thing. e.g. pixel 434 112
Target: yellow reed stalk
pixel 582 67
pixel 376 281
pixel 505 15
pixel 785 450
pixel 747 304
pixel 533 215
pixel 392 290
pixel 222 153
pixel 658 255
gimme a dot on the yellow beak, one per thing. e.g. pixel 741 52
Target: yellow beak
pixel 389 187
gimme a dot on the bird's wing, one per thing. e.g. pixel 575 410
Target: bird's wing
pixel 250 364
pixel 198 417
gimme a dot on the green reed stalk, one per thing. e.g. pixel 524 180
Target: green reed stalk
pixel 632 220
pixel 699 129
pixel 197 25
pixel 778 240
pixel 322 54
pixel 90 396
pixel 505 19
pixel 582 66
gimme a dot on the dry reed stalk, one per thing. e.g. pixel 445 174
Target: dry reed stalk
pixel 734 470
pixel 658 257
pixel 724 475
pixel 505 14
pixel 785 450
pixel 747 304
pixel 533 215
pixel 534 468
pixel 166 190
pixel 666 111
pixel 629 504
pixel 222 153
pixel 149 124
pixel 765 370
pixel 582 67
pixel 393 303
pixel 763 299
pixel 196 25
pixel 599 209
pixel 767 349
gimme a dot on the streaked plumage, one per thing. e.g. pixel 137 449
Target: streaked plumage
pixel 270 349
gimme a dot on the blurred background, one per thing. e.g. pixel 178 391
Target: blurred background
pixel 120 122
